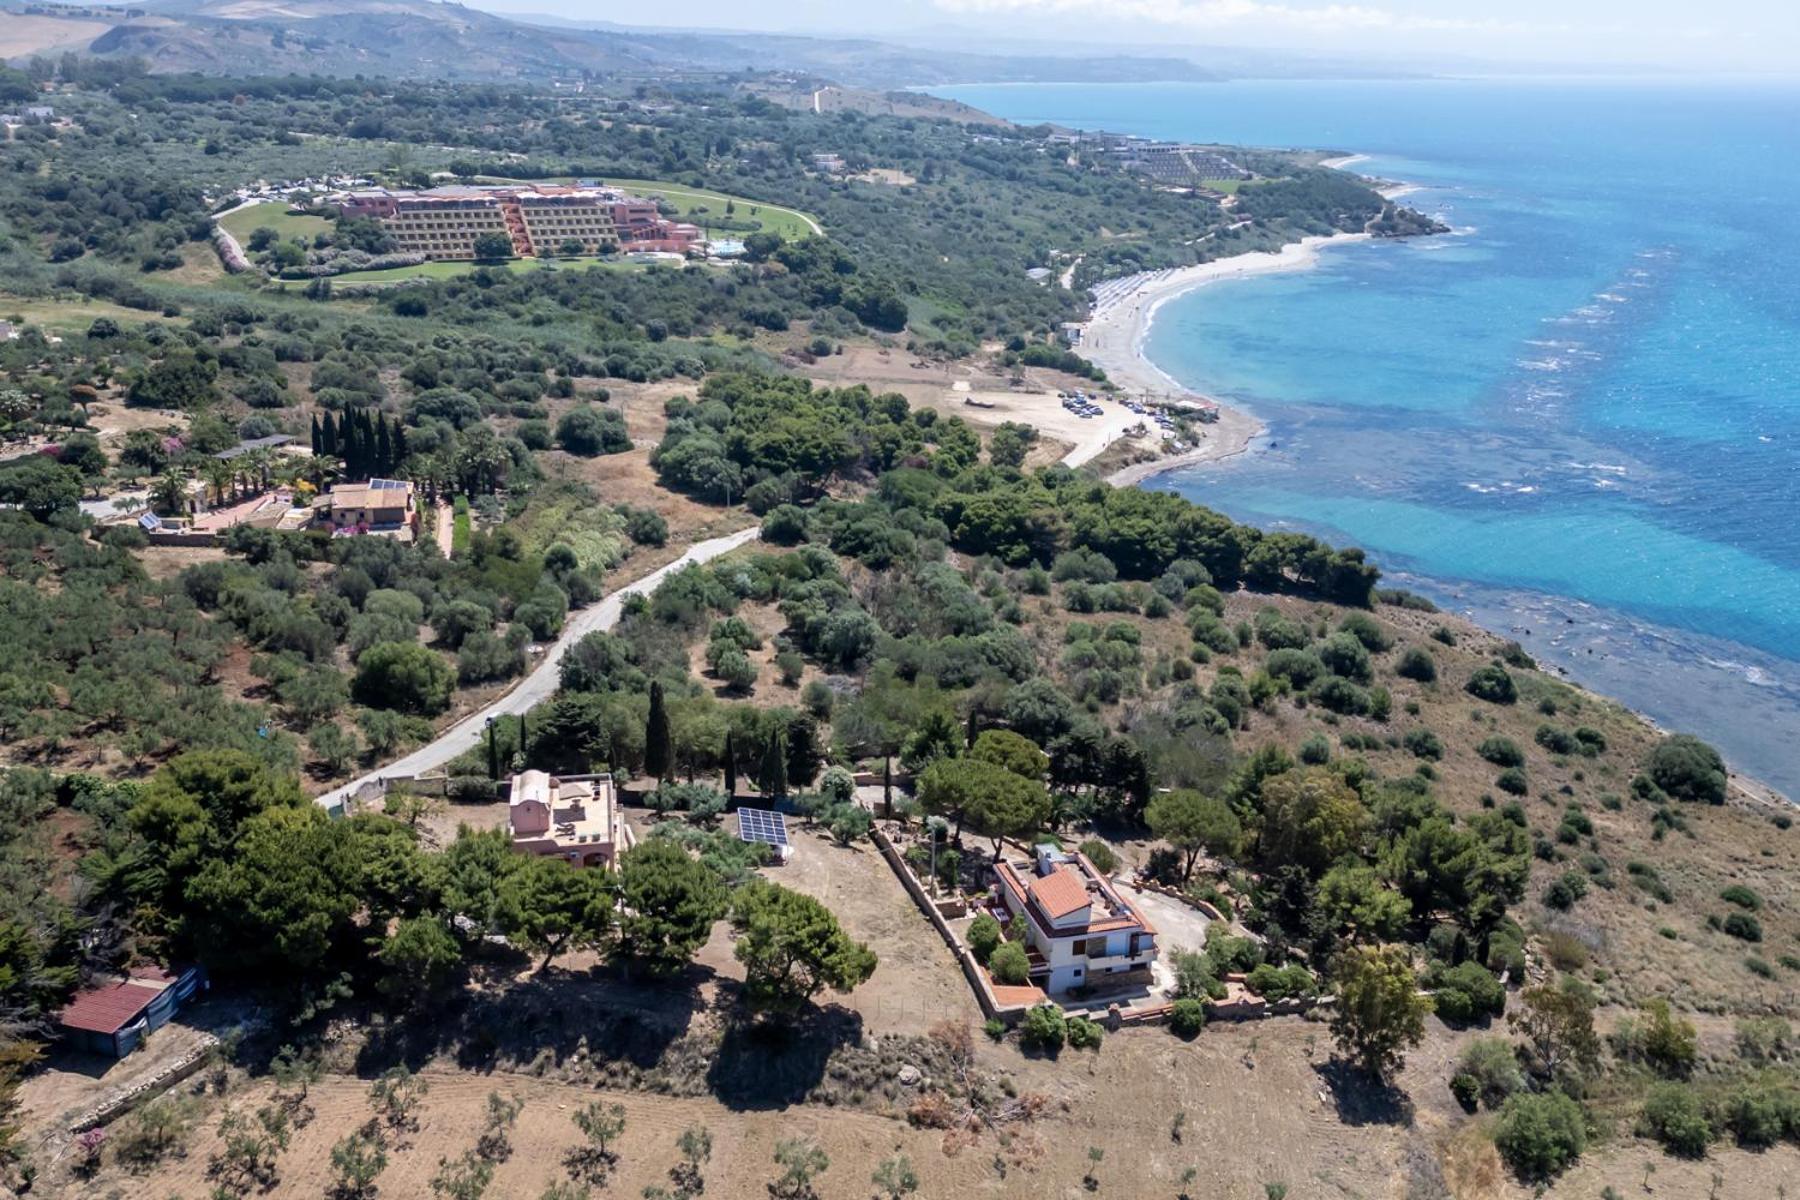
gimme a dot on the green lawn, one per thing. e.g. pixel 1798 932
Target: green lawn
pixel 1228 186
pixel 276 216
pixel 788 222
pixel 449 270
pixel 69 316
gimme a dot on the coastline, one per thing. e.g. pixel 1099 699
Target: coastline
pixel 1114 337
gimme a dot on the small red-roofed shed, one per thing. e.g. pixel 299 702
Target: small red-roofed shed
pixel 114 1018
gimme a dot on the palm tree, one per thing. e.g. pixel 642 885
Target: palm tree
pixel 169 492
pixel 321 469
pixel 260 463
pixel 219 475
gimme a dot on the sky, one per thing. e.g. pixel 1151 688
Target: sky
pixel 1761 36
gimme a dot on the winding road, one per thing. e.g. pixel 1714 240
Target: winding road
pixel 536 687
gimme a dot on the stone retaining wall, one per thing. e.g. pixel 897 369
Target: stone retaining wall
pixel 119 1103
pixel 965 958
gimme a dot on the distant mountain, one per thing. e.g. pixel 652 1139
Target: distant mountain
pixel 430 39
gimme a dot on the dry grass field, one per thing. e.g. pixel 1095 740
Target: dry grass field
pixel 1242 1106
pixel 24 34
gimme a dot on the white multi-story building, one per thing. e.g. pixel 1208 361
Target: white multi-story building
pixel 1078 929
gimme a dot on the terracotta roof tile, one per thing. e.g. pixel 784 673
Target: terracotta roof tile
pixel 1061 892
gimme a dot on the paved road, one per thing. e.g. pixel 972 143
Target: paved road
pixel 538 686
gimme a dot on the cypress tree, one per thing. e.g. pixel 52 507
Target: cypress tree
pixel 384 448
pixel 317 446
pixel 656 736
pixel 399 443
pixel 328 437
pixel 348 450
pixel 972 729
pixel 772 778
pixel 730 766
pixel 887 787
pixel 803 757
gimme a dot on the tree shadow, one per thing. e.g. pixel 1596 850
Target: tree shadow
pixel 546 1020
pixel 774 1064
pixel 1361 1098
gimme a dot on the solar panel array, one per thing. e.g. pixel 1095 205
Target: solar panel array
pixel 762 825
pixel 384 485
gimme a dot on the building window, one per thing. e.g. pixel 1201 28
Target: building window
pixel 1080 946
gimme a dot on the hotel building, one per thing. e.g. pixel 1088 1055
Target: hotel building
pixel 536 219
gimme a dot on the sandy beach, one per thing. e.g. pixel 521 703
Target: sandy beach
pixel 1114 338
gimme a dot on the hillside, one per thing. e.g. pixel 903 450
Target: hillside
pixel 425 39
pixel 1521 938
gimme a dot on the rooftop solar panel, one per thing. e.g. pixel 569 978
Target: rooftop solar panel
pixel 762 825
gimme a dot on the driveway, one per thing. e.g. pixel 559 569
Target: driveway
pixel 1178 927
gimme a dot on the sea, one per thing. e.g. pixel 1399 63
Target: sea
pixel 1576 419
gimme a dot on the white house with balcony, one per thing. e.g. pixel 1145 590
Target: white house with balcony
pixel 1079 931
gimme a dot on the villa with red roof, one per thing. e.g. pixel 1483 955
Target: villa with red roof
pixel 1079 931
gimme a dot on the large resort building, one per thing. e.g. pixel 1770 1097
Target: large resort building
pixel 1079 931
pixel 537 219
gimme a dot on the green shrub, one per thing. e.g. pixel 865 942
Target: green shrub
pixel 1743 927
pixel 1569 887
pixel 1044 1028
pixel 1423 743
pixel 1645 877
pixel 1674 1115
pixel 1764 1040
pixel 1556 741
pixel 1540 1135
pixel 1274 983
pixel 1741 896
pixel 1488 1071
pixel 995 1028
pixel 1367 630
pixel 1759 966
pixel 1101 855
pixel 1687 768
pixel 1506 953
pixel 1277 632
pixel 1591 741
pixel 1417 664
pixel 1301 668
pixel 1315 750
pixel 1339 695
pixel 983 937
pixel 1187 1017
pixel 1466 1089
pixel 1501 751
pixel 1512 781
pixel 1084 1034
pixel 1344 655
pixel 1009 964
pixel 1658 1038
pixel 1466 992
pixel 1759 1115
pixel 1493 684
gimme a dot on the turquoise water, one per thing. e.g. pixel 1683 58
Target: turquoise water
pixel 1579 416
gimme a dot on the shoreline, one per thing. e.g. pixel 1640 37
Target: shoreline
pixel 1119 330
pixel 1114 337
